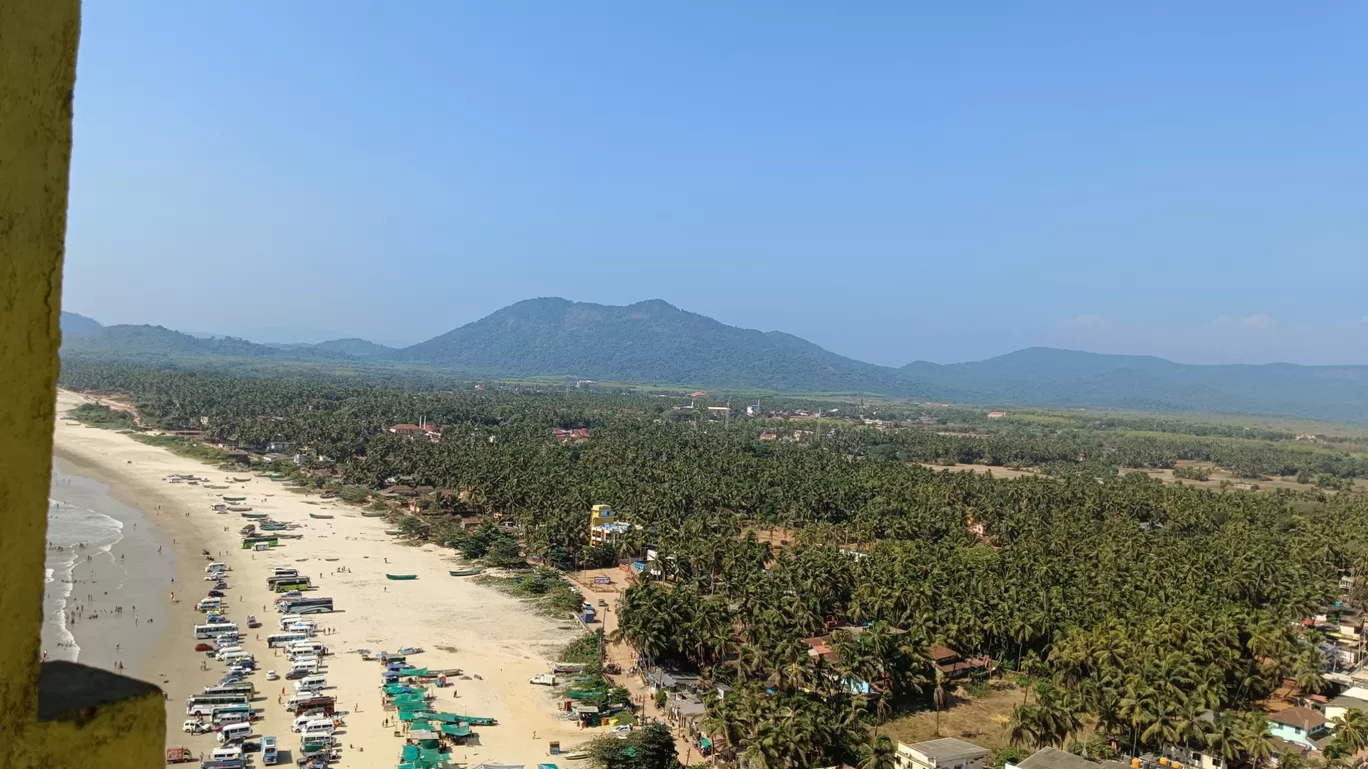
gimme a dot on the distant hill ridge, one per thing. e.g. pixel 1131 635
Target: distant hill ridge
pixel 655 342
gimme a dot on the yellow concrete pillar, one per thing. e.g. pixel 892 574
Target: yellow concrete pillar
pixel 70 716
pixel 37 74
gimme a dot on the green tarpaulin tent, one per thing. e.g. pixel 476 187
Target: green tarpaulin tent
pixel 456 730
pixel 410 753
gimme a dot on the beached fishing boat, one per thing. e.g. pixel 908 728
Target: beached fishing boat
pixel 227 498
pixel 251 515
pixel 401 576
pixel 411 650
pixel 393 532
pixel 320 515
pixel 240 480
pixel 239 508
pixel 464 572
pixel 213 486
pixel 274 526
pixel 372 514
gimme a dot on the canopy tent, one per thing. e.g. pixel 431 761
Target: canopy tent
pixel 413 672
pixel 409 754
pixel 456 730
pixel 418 728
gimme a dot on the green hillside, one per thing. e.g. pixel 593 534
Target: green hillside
pixel 653 342
pixel 649 341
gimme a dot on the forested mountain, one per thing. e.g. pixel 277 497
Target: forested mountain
pixel 1049 377
pixel 75 325
pixel 650 341
pixel 353 346
pixel 653 342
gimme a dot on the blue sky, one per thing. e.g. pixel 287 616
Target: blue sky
pixel 893 181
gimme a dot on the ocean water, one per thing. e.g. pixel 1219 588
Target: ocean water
pixel 78 531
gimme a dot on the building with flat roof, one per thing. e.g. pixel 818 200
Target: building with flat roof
pixel 943 753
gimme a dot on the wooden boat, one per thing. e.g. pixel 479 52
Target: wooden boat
pixel 372 514
pixel 320 515
pixel 239 509
pixel 213 486
pixel 464 572
pixel 252 515
pixel 401 576
pixel 332 559
pixel 241 480
pixel 227 498
pixel 393 532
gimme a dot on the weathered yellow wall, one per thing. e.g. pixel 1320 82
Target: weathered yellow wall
pixel 37 74
pixel 38 42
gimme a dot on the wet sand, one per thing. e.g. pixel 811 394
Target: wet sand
pixel 496 640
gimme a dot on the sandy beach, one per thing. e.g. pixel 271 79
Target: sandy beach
pixel 495 640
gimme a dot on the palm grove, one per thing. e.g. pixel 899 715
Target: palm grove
pixel 1144 614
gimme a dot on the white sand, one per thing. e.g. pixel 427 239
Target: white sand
pixel 494 636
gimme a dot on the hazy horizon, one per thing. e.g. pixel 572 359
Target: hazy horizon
pixel 894 185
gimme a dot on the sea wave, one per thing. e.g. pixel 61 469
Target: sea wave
pixel 69 527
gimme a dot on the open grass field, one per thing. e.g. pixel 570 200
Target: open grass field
pixel 980 720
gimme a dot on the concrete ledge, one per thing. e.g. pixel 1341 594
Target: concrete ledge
pixel 97 719
pixel 68 691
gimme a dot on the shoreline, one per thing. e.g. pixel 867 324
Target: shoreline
pixel 497 641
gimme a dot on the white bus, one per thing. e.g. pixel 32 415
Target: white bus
pixel 308 606
pixel 245 687
pixel 215 629
pixel 276 640
pixel 204 704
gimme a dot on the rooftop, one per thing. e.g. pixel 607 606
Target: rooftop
pixel 1054 758
pixel 1302 718
pixel 950 749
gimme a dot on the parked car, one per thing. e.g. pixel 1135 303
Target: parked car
pixel 271 676
pixel 252 621
pixel 204 647
pixel 215 593
pixel 295 675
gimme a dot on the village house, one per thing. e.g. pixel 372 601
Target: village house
pixel 943 753
pixel 996 414
pixel 1300 727
pixel 574 436
pixel 768 437
pixel 418 432
pixel 949 662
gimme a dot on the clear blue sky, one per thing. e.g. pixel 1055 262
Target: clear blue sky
pixel 890 180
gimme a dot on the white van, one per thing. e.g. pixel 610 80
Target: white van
pixel 306 627
pixel 307 664
pixel 237 656
pixel 234 733
pixel 312 725
pixel 287 620
pixel 221 653
pixel 215 566
pixel 226 754
pixel 309 648
pixel 209 604
pixel 318 728
pixel 311 683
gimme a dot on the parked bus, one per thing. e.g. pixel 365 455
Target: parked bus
pixel 204 704
pixel 286 584
pixel 215 629
pixel 277 640
pixel 245 687
pixel 308 606
pixel 269 754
